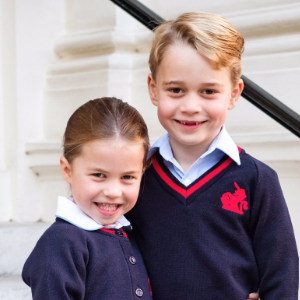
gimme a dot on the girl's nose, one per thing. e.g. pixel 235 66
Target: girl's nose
pixel 112 190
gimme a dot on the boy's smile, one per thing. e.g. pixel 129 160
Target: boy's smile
pixel 190 124
pixel 192 98
pixel 105 178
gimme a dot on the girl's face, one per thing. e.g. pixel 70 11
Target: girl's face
pixel 105 178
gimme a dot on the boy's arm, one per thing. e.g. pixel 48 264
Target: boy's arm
pixel 56 268
pixel 274 243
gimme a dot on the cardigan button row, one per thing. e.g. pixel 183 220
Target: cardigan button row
pixel 132 260
pixel 139 292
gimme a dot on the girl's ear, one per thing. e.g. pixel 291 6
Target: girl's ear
pixel 152 89
pixel 236 93
pixel 65 169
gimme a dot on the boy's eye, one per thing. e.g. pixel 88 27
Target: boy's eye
pixel 209 92
pixel 99 175
pixel 176 90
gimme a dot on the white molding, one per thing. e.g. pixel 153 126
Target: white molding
pixel 276 63
pixel 272 45
pixel 84 43
pixel 267 21
pixel 264 137
pixel 43 159
pixel 101 42
pixel 270 147
pixel 96 63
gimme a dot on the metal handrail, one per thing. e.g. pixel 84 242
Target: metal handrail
pixel 252 92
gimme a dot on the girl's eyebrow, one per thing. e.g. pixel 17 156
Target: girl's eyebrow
pixel 98 170
pixel 130 172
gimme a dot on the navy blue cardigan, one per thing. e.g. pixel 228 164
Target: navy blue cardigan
pixel 72 263
pixel 227 234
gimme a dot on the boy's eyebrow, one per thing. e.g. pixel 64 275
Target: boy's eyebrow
pixel 173 82
pixel 213 84
pixel 206 84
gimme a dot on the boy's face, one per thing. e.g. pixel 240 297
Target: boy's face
pixel 192 98
pixel 105 178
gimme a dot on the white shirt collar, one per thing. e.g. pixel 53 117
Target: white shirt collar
pixel 70 212
pixel 163 144
pixel 222 142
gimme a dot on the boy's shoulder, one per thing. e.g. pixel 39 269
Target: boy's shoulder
pixel 251 163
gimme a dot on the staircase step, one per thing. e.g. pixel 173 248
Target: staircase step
pixel 17 242
pixel 13 288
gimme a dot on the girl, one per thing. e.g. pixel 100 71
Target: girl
pixel 89 253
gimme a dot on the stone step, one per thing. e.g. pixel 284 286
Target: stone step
pixel 17 241
pixel 13 288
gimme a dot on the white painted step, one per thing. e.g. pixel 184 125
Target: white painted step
pixel 16 242
pixel 13 288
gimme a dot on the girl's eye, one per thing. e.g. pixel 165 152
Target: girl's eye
pixel 127 177
pixel 99 175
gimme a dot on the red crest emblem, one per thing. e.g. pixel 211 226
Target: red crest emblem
pixel 235 202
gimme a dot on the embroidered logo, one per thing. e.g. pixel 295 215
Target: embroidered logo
pixel 235 202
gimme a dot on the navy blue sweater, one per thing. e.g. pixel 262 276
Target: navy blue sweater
pixel 72 263
pixel 227 234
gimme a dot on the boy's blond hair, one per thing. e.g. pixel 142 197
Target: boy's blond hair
pixel 210 34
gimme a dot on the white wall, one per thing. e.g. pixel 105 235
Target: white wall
pixel 8 118
pixel 38 25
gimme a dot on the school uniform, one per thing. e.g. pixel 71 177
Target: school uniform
pixel 224 235
pixel 76 258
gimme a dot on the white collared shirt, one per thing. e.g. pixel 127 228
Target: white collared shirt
pixel 222 144
pixel 70 212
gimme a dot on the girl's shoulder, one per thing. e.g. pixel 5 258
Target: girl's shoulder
pixel 63 233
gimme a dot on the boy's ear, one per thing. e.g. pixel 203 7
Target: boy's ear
pixel 236 93
pixel 65 169
pixel 152 89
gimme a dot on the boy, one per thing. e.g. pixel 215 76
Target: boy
pixel 211 220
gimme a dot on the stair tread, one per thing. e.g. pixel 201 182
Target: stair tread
pixel 13 288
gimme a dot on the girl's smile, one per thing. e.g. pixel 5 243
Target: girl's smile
pixel 106 208
pixel 105 178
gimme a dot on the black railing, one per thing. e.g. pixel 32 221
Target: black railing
pixel 252 92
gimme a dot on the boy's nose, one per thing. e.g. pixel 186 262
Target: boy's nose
pixel 191 104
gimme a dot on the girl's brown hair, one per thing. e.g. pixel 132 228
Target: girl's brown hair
pixel 210 34
pixel 103 118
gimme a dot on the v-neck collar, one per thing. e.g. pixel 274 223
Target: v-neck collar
pixel 177 186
